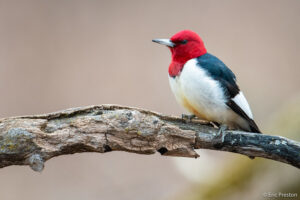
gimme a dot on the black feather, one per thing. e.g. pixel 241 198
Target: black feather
pixel 220 72
pixel 253 127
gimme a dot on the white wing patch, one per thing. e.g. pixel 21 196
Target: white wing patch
pixel 241 101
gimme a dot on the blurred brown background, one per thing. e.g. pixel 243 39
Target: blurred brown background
pixel 68 53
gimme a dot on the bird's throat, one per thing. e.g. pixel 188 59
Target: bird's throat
pixel 178 62
pixel 175 68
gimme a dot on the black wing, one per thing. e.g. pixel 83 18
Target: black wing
pixel 220 72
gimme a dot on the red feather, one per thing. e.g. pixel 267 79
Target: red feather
pixel 181 53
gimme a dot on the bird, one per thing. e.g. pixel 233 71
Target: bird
pixel 205 86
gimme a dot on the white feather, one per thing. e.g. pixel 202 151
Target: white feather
pixel 241 101
pixel 202 92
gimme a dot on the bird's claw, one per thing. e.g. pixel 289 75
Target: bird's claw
pixel 215 124
pixel 188 118
pixel 220 133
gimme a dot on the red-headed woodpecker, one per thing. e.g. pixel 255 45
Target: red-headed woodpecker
pixel 204 85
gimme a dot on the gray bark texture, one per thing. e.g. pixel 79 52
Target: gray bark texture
pixel 32 140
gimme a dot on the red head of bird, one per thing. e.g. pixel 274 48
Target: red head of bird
pixel 184 45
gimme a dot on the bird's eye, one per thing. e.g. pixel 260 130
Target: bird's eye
pixel 179 42
pixel 183 42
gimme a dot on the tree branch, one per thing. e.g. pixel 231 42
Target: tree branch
pixel 32 140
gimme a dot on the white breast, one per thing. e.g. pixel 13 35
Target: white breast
pixel 202 93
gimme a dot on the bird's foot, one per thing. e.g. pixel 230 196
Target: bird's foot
pixel 215 124
pixel 220 133
pixel 188 118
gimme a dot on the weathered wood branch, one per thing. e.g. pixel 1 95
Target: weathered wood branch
pixel 32 140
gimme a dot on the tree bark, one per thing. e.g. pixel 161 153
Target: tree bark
pixel 32 140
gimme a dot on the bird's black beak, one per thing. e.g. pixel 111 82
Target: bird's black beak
pixel 166 42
